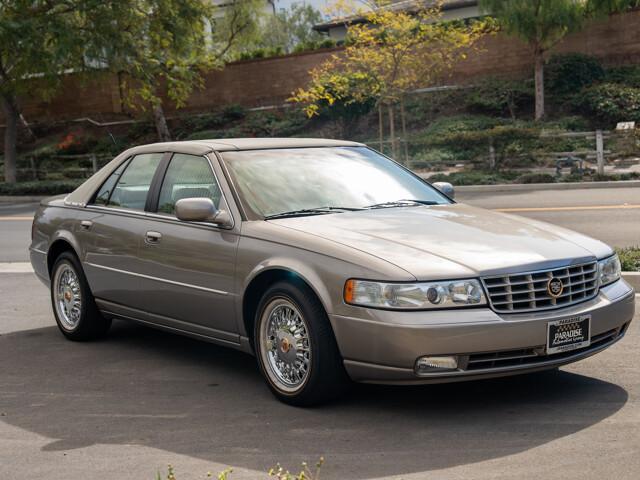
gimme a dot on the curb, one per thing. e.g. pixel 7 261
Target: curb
pixel 633 279
pixel 532 187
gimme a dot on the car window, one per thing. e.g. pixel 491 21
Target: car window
pixel 102 197
pixel 133 184
pixel 274 181
pixel 188 176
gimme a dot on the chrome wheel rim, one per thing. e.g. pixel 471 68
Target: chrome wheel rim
pixel 285 345
pixel 67 296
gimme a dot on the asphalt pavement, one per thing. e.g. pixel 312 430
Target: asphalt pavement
pixel 127 406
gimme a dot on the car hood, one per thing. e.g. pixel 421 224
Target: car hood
pixel 448 241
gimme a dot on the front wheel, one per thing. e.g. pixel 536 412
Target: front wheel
pixel 75 310
pixel 295 346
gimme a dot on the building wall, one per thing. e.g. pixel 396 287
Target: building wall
pixel 271 81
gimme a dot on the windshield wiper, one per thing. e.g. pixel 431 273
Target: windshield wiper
pixel 402 203
pixel 311 211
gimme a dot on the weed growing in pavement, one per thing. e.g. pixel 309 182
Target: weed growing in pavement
pixel 277 472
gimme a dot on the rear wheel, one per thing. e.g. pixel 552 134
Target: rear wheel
pixel 75 310
pixel 295 346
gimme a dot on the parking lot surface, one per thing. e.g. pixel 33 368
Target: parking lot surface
pixel 127 406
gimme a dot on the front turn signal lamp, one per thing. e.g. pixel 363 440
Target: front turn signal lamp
pixel 414 296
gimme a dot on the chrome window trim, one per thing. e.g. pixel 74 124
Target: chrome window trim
pixel 168 217
pixel 155 216
pixel 157 279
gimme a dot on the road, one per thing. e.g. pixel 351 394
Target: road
pixel 128 406
pixel 611 215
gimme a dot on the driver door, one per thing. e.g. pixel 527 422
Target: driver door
pixel 188 268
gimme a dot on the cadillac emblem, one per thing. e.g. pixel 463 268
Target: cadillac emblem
pixel 555 287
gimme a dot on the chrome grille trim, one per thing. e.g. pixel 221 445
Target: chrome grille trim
pixel 526 292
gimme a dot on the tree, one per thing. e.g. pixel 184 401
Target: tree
pixel 290 28
pixel 393 52
pixel 37 43
pixel 543 23
pixel 167 45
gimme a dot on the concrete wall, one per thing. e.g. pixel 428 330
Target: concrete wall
pixel 271 81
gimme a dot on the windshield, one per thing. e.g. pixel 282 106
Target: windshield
pixel 272 182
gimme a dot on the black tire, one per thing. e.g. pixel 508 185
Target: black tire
pixel 90 324
pixel 326 378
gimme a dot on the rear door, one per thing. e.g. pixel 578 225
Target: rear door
pixel 188 267
pixel 112 229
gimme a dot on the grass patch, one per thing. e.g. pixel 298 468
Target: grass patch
pixel 629 258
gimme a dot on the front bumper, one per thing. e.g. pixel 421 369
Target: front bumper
pixel 385 349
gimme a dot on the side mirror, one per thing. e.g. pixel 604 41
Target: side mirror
pixel 202 210
pixel 446 188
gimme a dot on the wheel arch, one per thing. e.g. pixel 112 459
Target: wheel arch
pixel 62 243
pixel 266 275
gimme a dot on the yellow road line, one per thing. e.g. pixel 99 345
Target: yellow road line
pixel 9 219
pixel 567 209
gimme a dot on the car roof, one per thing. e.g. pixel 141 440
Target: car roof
pixel 84 192
pixel 226 144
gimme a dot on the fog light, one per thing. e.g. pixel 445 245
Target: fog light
pixel 435 364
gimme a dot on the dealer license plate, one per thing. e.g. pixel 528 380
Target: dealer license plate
pixel 568 334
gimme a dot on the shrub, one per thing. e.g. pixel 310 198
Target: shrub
pixel 234 112
pixel 474 178
pixel 497 96
pixel 311 45
pixel 628 75
pixel 536 178
pixel 431 157
pixel 629 258
pixel 204 135
pixel 610 103
pixel 468 138
pixel 45 187
pixel 569 73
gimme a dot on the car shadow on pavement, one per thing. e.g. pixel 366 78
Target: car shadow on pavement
pixel 146 387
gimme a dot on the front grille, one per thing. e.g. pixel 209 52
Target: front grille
pixel 535 355
pixel 523 292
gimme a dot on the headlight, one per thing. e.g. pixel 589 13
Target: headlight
pixel 609 270
pixel 414 296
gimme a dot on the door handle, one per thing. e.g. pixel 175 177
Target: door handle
pixel 153 237
pixel 86 224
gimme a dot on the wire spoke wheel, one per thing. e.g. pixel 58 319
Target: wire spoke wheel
pixel 67 296
pixel 285 345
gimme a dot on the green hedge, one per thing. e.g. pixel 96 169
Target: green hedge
pixel 629 258
pixel 46 187
pixel 610 103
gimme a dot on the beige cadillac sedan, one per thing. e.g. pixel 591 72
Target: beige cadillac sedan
pixel 326 260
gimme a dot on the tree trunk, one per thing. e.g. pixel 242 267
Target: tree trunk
pixel 539 79
pixel 12 116
pixel 381 128
pixel 161 123
pixel 405 143
pixel 392 131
